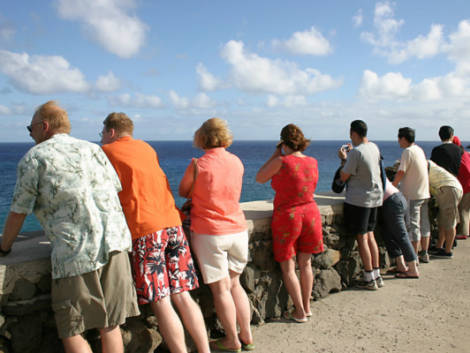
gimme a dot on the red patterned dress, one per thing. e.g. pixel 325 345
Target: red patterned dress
pixel 296 224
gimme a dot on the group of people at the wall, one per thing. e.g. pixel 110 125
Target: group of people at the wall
pixel 97 204
pixel 406 231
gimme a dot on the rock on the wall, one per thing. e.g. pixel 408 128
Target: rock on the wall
pixel 326 282
pixel 326 259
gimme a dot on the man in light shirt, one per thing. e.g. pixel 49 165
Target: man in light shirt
pixel 413 178
pixel 71 187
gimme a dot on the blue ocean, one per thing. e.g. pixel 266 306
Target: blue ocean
pixel 175 156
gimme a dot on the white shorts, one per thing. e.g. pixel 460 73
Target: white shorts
pixel 217 254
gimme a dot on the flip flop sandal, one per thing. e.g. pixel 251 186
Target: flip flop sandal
pixel 405 275
pixel 289 316
pixel 217 345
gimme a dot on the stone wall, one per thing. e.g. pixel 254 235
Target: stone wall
pixel 26 319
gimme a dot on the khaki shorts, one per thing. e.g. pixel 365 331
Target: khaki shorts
pixel 98 299
pixel 217 254
pixel 448 199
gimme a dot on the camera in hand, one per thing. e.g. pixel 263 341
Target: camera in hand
pixel 346 148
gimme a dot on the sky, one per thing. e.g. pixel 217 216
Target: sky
pixel 171 65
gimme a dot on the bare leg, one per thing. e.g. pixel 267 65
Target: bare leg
pixel 111 340
pixel 226 311
pixel 170 325
pixel 293 287
pixel 242 306
pixel 412 269
pixel 374 250
pixel 400 262
pixel 442 238
pixel 450 236
pixel 306 279
pixel 192 320
pixel 415 246
pixel 364 251
pixel 76 344
pixel 425 243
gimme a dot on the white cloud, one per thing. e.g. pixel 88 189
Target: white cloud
pixel 14 109
pixel 393 86
pixel 385 43
pixel 177 101
pixel 309 42
pixel 358 18
pixel 200 101
pixel 39 74
pixel 287 101
pixel 108 82
pixel 203 101
pixel 459 48
pixel 272 101
pixel 108 22
pixel 386 26
pixel 421 47
pixel 207 81
pixel 4 110
pixel 254 73
pixel 139 100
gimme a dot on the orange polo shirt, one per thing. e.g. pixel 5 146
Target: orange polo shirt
pixel 216 208
pixel 146 196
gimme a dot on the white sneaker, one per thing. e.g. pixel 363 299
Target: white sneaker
pixel 371 285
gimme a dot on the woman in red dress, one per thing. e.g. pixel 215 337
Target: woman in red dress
pixel 296 224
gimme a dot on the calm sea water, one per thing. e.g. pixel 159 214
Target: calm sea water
pixel 175 156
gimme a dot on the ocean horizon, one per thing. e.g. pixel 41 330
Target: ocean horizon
pixel 174 157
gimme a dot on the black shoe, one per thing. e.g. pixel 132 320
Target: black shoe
pixel 434 250
pixel 443 254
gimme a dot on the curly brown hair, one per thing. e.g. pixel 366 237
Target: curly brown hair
pixel 294 138
pixel 213 133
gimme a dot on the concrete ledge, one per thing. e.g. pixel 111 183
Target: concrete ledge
pixel 25 278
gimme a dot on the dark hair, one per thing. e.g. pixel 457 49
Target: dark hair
pixel 359 127
pixel 446 132
pixel 293 137
pixel 408 133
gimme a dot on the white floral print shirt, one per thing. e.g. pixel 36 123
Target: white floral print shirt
pixel 71 187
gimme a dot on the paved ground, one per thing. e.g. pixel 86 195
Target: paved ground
pixel 431 314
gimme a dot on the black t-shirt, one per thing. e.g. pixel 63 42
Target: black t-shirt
pixel 447 156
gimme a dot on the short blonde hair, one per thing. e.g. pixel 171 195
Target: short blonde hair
pixel 119 122
pixel 213 133
pixel 55 115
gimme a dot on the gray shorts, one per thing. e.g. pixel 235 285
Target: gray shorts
pixel 98 299
pixel 417 220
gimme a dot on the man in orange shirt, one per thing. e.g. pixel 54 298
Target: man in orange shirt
pixel 161 259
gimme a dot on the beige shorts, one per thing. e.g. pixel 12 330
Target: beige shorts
pixel 448 199
pixel 98 299
pixel 217 254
